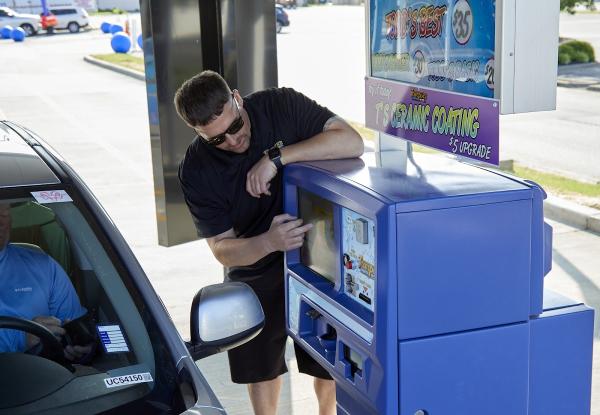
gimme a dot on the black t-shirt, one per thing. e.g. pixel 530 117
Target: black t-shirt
pixel 214 181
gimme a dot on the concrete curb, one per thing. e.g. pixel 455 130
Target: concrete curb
pixel 125 71
pixel 555 208
pixel 572 214
pixel 589 84
pixel 595 88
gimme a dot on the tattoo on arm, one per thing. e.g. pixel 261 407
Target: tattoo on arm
pixel 331 120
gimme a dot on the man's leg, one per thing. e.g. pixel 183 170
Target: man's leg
pixel 265 395
pixel 325 390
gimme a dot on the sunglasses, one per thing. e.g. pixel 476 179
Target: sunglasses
pixel 234 127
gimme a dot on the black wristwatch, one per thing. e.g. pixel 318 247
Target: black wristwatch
pixel 274 154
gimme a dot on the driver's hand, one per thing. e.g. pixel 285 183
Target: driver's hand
pixel 51 323
pixel 77 352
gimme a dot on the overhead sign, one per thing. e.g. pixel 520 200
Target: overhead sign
pixel 460 124
pixel 441 44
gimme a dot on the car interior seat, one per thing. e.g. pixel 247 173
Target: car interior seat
pixel 31 247
pixel 36 224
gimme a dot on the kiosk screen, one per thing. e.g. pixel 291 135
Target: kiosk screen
pixel 319 250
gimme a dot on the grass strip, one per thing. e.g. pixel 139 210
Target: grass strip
pixel 123 59
pixel 558 184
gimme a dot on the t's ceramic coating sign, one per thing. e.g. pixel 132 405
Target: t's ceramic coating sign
pixel 441 44
pixel 460 124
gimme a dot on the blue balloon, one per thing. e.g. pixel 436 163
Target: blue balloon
pixel 105 27
pixel 7 32
pixel 18 34
pixel 140 42
pixel 120 42
pixel 116 28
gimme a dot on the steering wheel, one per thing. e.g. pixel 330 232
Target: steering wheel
pixel 52 348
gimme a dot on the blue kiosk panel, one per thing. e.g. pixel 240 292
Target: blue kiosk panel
pixel 561 358
pixel 416 287
pixel 475 372
pixel 463 268
pixel 345 294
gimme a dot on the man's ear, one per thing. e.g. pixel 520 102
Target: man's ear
pixel 238 98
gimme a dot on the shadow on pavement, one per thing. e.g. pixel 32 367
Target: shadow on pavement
pixel 590 291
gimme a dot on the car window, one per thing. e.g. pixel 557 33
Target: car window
pixel 59 12
pixel 127 365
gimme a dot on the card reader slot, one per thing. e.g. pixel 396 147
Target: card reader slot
pixel 317 332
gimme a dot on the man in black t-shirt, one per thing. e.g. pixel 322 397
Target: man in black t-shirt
pixel 231 181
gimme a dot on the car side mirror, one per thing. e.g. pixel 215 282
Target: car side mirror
pixel 223 316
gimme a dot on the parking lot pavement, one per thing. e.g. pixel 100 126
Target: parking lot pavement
pixel 98 120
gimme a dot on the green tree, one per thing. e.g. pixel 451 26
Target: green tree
pixel 569 5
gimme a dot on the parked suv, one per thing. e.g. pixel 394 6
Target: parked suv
pixel 72 18
pixel 137 362
pixel 30 23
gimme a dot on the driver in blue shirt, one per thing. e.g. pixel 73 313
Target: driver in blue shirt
pixel 33 286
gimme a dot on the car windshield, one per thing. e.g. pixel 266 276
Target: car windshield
pixel 57 262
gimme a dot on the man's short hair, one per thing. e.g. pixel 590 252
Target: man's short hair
pixel 200 99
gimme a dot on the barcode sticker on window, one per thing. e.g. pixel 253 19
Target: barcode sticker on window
pixel 128 379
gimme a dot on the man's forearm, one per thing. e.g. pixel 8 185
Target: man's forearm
pixel 328 145
pixel 241 251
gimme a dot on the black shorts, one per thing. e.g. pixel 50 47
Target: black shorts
pixel 263 358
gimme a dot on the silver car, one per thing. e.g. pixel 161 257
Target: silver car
pixel 138 364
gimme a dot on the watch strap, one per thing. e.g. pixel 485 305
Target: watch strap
pixel 274 154
pixel 275 157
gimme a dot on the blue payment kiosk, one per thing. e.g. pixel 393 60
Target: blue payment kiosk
pixel 420 290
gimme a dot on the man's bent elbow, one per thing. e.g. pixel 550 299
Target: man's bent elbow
pixel 355 146
pixel 359 146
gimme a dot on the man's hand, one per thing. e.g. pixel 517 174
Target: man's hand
pixel 286 233
pixel 51 323
pixel 259 177
pixel 77 352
